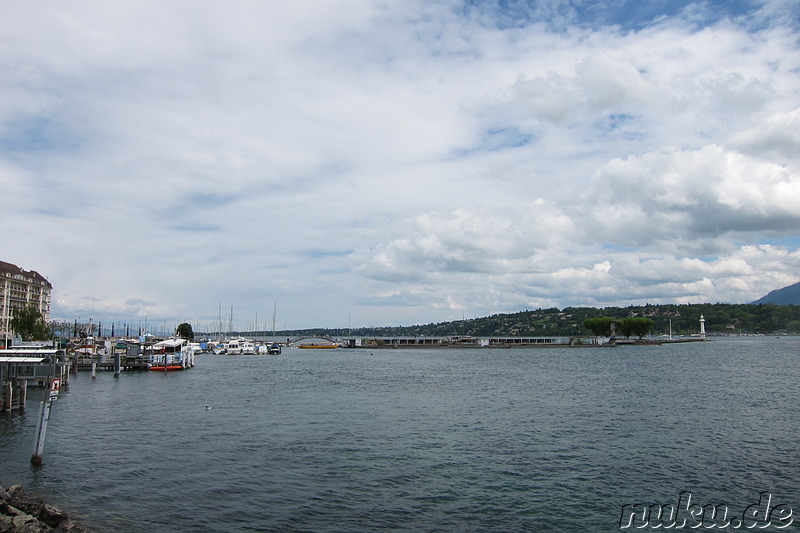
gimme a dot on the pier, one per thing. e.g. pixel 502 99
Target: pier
pixel 465 341
pixel 126 363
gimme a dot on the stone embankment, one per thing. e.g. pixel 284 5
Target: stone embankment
pixel 21 513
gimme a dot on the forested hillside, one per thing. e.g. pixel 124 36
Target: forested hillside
pixel 722 319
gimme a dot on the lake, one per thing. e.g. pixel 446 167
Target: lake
pixel 443 439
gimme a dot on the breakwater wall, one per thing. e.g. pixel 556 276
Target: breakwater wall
pixel 23 513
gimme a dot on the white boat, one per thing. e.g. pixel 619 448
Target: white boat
pixel 248 347
pixel 171 354
pixel 232 347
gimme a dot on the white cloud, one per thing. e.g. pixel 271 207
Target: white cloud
pixel 405 163
pixel 684 195
pixel 776 138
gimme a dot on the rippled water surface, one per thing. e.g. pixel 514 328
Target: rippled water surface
pixel 419 440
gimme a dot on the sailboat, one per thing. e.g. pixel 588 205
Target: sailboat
pixel 274 348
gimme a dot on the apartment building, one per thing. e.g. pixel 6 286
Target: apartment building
pixel 18 288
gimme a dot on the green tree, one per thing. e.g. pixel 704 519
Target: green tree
pixel 185 331
pixel 600 326
pixel 625 327
pixel 635 326
pixel 28 323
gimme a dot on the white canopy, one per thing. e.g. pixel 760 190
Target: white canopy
pixel 20 359
pixel 170 343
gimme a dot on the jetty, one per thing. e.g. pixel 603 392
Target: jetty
pixel 467 341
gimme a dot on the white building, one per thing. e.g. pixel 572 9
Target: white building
pixel 19 288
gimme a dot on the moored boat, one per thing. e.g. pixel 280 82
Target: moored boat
pixel 318 345
pixel 233 347
pixel 171 355
pixel 159 367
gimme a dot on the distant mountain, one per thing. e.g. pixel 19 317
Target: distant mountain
pixel 786 296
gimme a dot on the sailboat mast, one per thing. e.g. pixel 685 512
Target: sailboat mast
pixel 274 311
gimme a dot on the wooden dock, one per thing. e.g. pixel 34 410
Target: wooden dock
pixel 13 395
pixel 125 364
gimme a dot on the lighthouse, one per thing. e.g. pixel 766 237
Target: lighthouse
pixel 702 327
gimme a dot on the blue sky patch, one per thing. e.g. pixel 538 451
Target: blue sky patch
pixel 329 253
pixel 36 134
pixel 501 139
pixel 627 14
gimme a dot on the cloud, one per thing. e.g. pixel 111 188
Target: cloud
pixel 776 138
pixel 680 195
pixel 407 162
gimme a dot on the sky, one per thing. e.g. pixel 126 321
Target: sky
pixel 349 163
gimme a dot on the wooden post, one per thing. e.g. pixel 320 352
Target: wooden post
pixel 94 370
pixel 23 392
pixel 63 368
pixel 117 363
pixel 9 395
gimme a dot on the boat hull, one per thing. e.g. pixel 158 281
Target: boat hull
pixel 317 346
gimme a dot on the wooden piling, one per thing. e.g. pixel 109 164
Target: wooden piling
pixel 22 386
pixel 8 396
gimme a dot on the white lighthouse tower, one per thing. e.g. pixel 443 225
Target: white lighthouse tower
pixel 702 327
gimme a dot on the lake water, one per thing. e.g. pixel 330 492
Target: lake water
pixel 466 440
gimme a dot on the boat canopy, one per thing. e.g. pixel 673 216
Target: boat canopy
pixel 23 360
pixel 170 343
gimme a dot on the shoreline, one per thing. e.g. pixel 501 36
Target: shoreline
pixel 24 513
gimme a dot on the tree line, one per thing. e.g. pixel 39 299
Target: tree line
pixel 607 326
pixel 676 319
